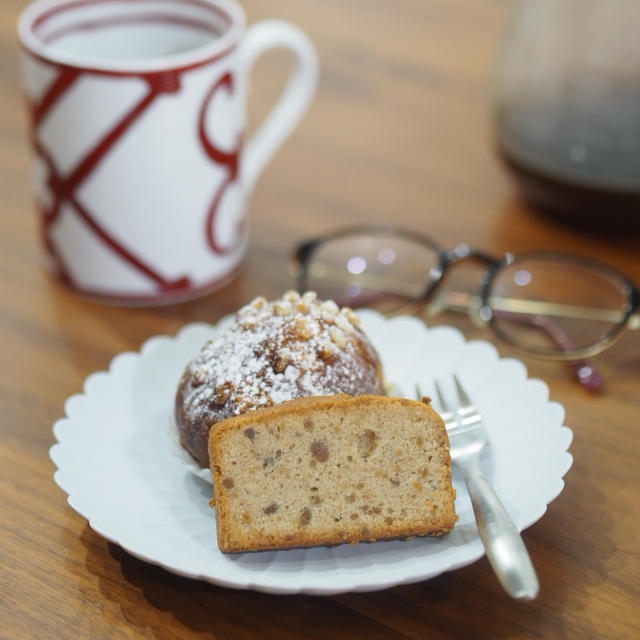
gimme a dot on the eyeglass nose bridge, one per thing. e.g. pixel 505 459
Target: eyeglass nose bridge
pixel 477 309
pixel 462 251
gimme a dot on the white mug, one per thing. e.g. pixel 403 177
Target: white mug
pixel 142 169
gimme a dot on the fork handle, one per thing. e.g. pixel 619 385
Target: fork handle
pixel 504 546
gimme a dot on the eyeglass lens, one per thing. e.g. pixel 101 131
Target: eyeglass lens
pixel 550 304
pixel 381 271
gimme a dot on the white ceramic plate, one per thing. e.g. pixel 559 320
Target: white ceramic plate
pixel 117 461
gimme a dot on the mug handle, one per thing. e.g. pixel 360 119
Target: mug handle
pixel 293 101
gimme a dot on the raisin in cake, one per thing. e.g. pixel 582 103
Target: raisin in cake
pixel 329 470
pixel 293 347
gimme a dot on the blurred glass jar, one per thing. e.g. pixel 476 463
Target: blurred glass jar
pixel 567 108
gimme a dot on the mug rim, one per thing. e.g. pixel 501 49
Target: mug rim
pixel 195 57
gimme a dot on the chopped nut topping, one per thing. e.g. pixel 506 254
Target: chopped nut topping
pixel 258 302
pixel 352 316
pixel 304 329
pixel 291 296
pixel 199 376
pixel 285 354
pixel 338 338
pixel 342 322
pixel 326 350
pixel 248 322
pixel 282 308
pixel 280 365
pixel 330 307
pixel 223 392
pixel 302 307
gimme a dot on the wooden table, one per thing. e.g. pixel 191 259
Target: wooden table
pixel 399 131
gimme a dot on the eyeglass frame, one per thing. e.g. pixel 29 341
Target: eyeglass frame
pixel 485 313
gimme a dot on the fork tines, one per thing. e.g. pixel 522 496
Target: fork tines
pixel 465 410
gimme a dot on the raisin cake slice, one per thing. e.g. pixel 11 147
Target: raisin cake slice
pixel 329 470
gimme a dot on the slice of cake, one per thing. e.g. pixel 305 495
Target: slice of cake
pixel 331 469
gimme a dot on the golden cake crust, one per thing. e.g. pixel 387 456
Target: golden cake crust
pixel 329 470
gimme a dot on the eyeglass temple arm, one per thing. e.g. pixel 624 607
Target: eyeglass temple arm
pixel 587 375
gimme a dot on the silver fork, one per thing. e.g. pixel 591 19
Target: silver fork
pixel 502 542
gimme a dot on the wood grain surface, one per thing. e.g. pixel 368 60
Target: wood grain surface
pixel 399 131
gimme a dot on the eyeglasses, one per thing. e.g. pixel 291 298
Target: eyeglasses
pixel 550 305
